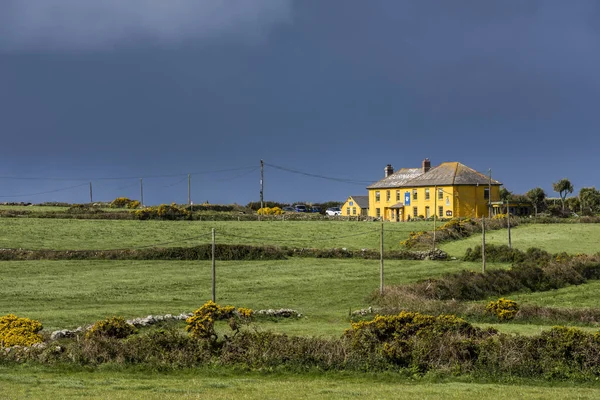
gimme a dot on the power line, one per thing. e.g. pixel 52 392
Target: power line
pixel 114 178
pixel 49 191
pixel 343 180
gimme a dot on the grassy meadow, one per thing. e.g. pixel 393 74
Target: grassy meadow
pixel 85 234
pixel 67 294
pixel 554 238
pixel 38 383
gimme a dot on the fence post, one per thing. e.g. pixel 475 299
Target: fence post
pixel 381 261
pixel 483 243
pixel 214 274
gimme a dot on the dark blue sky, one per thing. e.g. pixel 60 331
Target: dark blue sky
pixel 338 88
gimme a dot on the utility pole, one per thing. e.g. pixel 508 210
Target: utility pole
pixel 214 271
pixel 490 194
pixel 142 191
pixel 483 243
pixel 262 176
pixel 91 197
pixel 435 196
pixel 189 190
pixel 381 261
pixel 508 222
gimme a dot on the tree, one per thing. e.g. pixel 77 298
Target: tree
pixel 563 188
pixel 505 197
pixel 537 197
pixel 590 200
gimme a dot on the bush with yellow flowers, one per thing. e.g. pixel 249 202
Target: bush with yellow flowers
pixel 503 309
pixel 15 331
pixel 202 323
pixel 270 211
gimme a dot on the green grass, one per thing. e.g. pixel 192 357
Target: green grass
pixel 554 238
pixel 67 234
pixel 581 296
pixel 66 294
pixel 44 383
pixel 37 209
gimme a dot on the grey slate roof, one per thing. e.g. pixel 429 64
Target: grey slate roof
pixel 361 201
pixel 445 174
pixel 397 179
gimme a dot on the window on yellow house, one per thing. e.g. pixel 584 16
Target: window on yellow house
pixel 427 194
pixel 397 195
pixel 441 211
pixel 348 211
pixel 415 212
pixel 440 194
pixel 414 194
pixel 486 193
pixel 378 212
pixel 377 196
pixel 387 196
pixel 427 213
pixel 353 210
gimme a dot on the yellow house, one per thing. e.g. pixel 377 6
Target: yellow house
pixel 449 190
pixel 356 206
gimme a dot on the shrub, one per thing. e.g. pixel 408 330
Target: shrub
pixel 202 323
pixel 503 309
pixel 163 212
pixel 122 202
pixel 133 204
pixel 15 331
pixel 270 211
pixel 114 327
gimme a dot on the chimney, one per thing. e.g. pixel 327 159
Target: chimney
pixel 388 170
pixel 426 165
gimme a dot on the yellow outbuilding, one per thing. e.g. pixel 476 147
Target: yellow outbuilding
pixel 448 190
pixel 356 206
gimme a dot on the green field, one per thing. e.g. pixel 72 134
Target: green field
pixel 554 238
pixel 44 383
pixel 78 234
pixel 65 294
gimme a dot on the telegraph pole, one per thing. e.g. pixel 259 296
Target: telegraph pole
pixel 142 191
pixel 381 261
pixel 490 194
pixel 262 172
pixel 189 190
pixel 91 198
pixel 435 196
pixel 483 243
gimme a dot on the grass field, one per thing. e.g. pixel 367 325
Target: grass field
pixel 43 383
pixel 61 234
pixel 554 238
pixel 65 294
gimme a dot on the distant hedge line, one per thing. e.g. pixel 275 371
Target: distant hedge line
pixel 534 270
pixel 223 252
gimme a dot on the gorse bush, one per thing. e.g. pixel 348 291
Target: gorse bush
pixel 15 331
pixel 164 212
pixel 503 309
pixel 270 211
pixel 114 327
pixel 202 323
pixel 124 202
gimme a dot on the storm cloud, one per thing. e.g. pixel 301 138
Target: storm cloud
pixel 92 24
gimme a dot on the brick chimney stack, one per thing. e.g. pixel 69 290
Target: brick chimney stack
pixel 426 165
pixel 388 170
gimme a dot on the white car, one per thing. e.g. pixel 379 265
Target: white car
pixel 334 211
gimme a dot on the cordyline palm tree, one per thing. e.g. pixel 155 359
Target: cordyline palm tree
pixel 536 196
pixel 563 188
